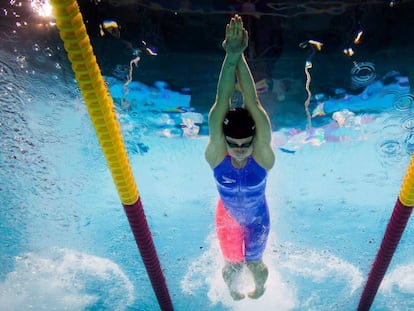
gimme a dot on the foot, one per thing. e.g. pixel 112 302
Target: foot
pixel 258 292
pixel 231 272
pixel 236 295
pixel 260 274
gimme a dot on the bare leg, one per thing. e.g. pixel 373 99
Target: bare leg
pixel 260 274
pixel 231 271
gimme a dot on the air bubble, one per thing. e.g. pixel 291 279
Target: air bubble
pixel 390 148
pixel 362 74
pixel 21 61
pixel 409 144
pixel 408 123
pixel 36 47
pixel 404 102
pixel 48 52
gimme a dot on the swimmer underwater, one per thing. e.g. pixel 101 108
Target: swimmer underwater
pixel 240 155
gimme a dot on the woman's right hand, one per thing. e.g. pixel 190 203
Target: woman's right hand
pixel 236 36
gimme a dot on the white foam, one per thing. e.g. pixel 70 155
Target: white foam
pixel 322 265
pixel 205 271
pixel 401 279
pixel 289 269
pixel 65 280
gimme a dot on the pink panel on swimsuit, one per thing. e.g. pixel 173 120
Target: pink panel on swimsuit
pixel 230 235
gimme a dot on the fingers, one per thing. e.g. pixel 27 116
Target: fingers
pixel 238 22
pixel 235 27
pixel 237 37
pixel 245 36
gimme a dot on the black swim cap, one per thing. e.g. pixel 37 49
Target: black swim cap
pixel 238 123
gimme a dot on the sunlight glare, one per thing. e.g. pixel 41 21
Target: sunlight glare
pixel 43 8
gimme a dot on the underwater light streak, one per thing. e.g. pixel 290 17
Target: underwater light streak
pixel 111 27
pixel 150 50
pixel 349 52
pixel 357 39
pixel 392 3
pixel 314 45
pixel 133 62
pixel 308 66
pixel 318 45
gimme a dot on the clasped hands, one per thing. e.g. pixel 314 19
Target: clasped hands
pixel 237 38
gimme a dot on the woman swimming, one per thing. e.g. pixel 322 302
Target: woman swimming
pixel 240 155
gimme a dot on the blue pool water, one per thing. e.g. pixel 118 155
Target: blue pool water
pixel 65 240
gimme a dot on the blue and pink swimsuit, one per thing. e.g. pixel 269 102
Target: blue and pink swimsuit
pixel 242 217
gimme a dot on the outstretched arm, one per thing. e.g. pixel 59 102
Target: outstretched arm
pixel 262 151
pixel 225 90
pixel 234 45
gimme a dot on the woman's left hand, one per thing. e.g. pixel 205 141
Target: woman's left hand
pixel 236 36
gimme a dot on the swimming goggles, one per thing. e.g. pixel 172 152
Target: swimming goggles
pixel 234 145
